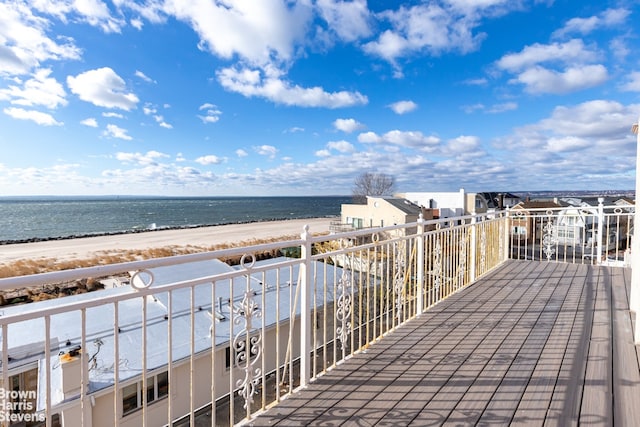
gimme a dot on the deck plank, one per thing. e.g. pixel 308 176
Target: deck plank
pixel 597 394
pixel 626 366
pixel 532 343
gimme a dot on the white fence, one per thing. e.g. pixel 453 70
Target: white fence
pixel 191 339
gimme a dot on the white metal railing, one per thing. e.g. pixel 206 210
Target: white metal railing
pixel 192 338
pixel 576 234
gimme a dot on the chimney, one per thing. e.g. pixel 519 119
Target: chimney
pixel 71 366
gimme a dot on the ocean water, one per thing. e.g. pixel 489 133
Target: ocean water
pixel 31 218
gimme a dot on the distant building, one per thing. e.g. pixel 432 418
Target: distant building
pixel 380 212
pixel 449 204
pixel 500 200
pixel 523 218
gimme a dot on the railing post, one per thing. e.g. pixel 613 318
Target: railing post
pixel 420 260
pixel 305 308
pixel 472 254
pixel 600 229
pixel 634 300
pixel 507 235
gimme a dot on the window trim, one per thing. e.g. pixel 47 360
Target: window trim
pixel 155 383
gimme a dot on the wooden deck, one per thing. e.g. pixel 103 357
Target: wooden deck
pixel 533 343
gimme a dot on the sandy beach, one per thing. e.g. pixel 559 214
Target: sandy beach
pixel 86 247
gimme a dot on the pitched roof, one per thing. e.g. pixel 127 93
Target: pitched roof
pixel 404 205
pixel 537 204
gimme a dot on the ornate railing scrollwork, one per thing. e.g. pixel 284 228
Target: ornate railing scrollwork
pixel 399 278
pixel 247 343
pixel 548 239
pixel 437 267
pixel 343 309
pixel 463 259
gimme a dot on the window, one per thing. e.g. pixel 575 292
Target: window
pixel 157 388
pixel 565 233
pixel 519 230
pixel 26 381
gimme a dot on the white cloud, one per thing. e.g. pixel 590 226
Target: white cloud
pixel 341 146
pixel 542 80
pixel 144 77
pixel 93 12
pixel 588 145
pixel 476 82
pixel 258 32
pixel 632 82
pixel 322 153
pixel 39 90
pixel 493 109
pixel 114 131
pixel 426 27
pixel 408 139
pixel 150 110
pixel 91 122
pixel 148 158
pixel 566 143
pixel 269 85
pixel 403 107
pixel 501 108
pixel 607 19
pixel 212 113
pixel 209 160
pixel 266 150
pixel 38 117
pixel 25 44
pixel 241 153
pixel 572 52
pixel 104 88
pixel 112 115
pixel 462 145
pixel 348 125
pixel 349 20
pixel 137 23
pixel 294 129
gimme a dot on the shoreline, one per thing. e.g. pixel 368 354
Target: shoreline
pixel 197 236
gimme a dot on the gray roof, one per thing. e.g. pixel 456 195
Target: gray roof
pixel 404 205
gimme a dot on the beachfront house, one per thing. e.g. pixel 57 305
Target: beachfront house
pixel 199 321
pixel 380 212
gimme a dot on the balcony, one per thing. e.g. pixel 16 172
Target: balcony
pixel 531 343
pixel 461 321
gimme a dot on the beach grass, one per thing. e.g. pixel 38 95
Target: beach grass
pixel 25 267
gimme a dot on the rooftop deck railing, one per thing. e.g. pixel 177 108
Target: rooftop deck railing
pixel 190 338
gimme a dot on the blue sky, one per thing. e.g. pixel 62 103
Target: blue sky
pixel 276 97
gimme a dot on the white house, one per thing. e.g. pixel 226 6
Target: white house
pixel 449 204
